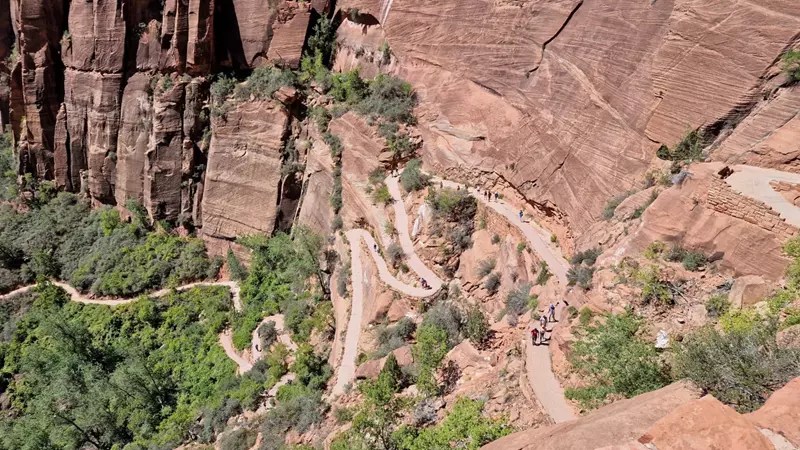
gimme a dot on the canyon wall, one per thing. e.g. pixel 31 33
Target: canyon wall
pixel 563 101
pixel 111 99
pixel 567 101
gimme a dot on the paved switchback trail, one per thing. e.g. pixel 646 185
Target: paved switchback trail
pixel 356 237
pixel 542 380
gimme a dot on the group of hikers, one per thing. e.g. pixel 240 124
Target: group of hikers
pixel 538 333
pixel 424 283
pixel 487 194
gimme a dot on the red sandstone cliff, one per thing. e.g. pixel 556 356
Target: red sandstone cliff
pixel 567 101
pixel 563 101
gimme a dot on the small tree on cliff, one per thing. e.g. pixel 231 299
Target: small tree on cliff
pixel 791 65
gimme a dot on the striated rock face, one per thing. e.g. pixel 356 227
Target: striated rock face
pixel 568 101
pixel 705 423
pixel 244 169
pixel 85 83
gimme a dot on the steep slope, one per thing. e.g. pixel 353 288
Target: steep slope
pixel 568 101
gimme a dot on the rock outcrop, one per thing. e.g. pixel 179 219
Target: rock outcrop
pixel 244 170
pixel 672 418
pixel 703 213
pixel 614 424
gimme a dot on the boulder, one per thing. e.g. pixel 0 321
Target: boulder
pixel 615 424
pixel 703 424
pixel 748 290
pixel 781 413
pixel 790 337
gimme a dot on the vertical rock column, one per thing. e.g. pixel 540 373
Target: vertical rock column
pixel 6 44
pixel 93 48
pixel 39 24
pixel 164 158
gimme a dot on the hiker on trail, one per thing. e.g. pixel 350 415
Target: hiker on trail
pixel 552 317
pixel 534 335
pixel 520 214
pixel 375 247
pixel 543 321
pixel 496 196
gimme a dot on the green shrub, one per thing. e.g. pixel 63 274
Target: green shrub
pixel 616 361
pixel 348 87
pixel 429 351
pixel 486 266
pixel 222 88
pixel 8 168
pixel 238 439
pixel 463 428
pixel 476 327
pixel 492 283
pixel 521 247
pixel 237 270
pixel 263 82
pixel 390 98
pixel 518 300
pixel 675 253
pixel 739 367
pixel 611 206
pixel 587 257
pixel 654 289
pixel 381 195
pixel 453 205
pixel 740 320
pixel 791 65
pixel 412 177
pixel 394 337
pixel 445 316
pixel 495 239
pixel 693 261
pixel 654 250
pixel 717 305
pixel 395 254
pixel 267 334
pixel 690 148
pixel 544 274
pixel 585 316
pixel 533 302
pixel 580 275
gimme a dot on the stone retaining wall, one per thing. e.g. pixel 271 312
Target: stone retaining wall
pixel 723 199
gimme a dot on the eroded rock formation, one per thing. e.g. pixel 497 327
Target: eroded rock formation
pixel 111 99
pixel 568 101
